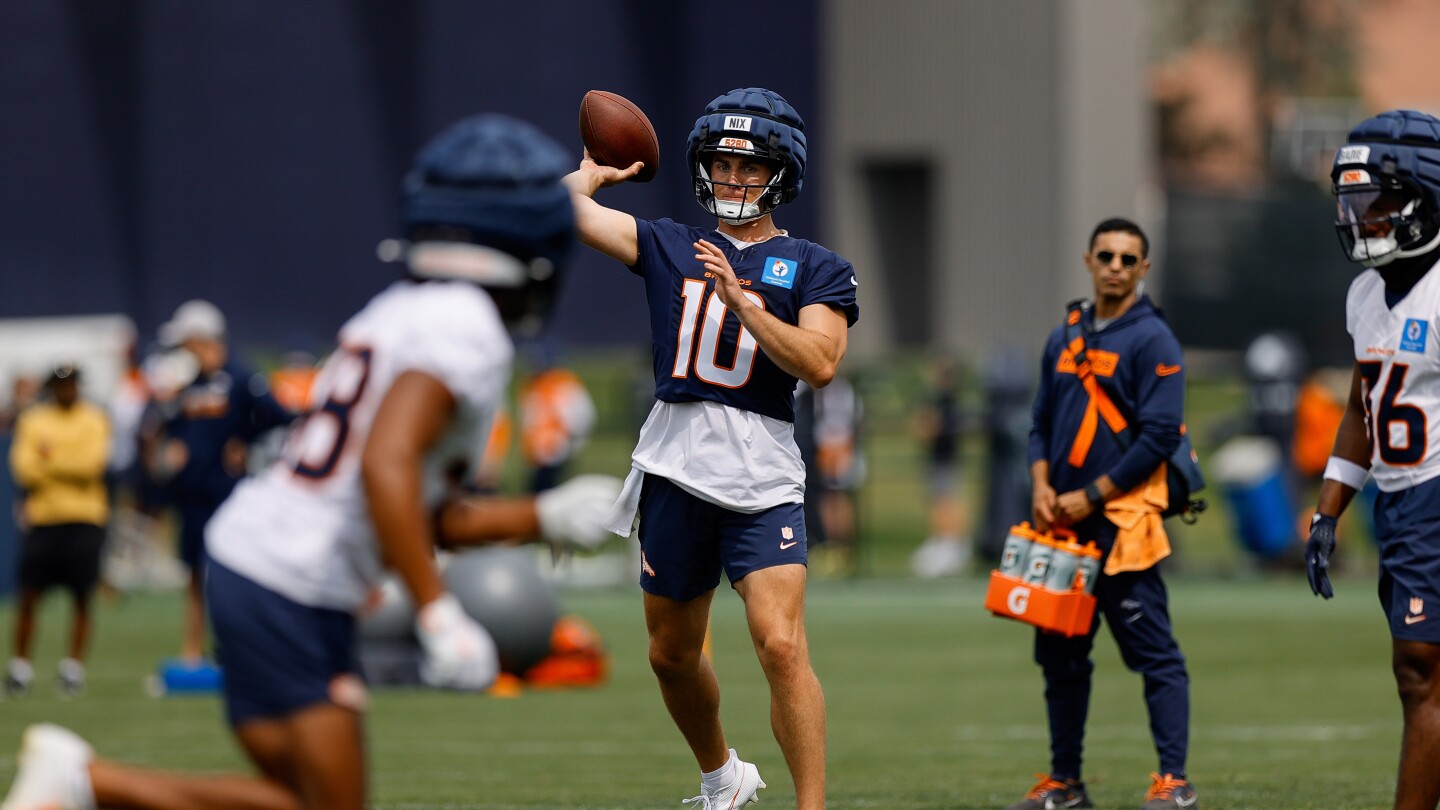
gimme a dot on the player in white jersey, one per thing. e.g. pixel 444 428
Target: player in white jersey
pixel 1387 189
pixel 417 376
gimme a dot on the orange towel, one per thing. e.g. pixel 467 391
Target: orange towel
pixel 1141 540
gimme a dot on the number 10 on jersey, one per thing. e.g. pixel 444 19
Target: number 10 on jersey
pixel 709 325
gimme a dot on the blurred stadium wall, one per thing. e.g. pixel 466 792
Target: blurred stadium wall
pixel 229 151
pixel 974 145
pixel 961 149
pixel 251 153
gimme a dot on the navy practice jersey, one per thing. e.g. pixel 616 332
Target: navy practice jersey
pixel 699 350
pixel 232 403
pixel 1139 364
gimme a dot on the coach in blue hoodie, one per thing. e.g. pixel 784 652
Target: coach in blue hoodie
pixel 209 429
pixel 1108 413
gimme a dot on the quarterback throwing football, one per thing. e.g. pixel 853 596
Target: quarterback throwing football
pixel 738 313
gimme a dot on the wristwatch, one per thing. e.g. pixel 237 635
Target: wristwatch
pixel 1092 494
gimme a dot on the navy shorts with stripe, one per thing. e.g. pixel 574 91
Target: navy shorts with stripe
pixel 278 655
pixel 685 541
pixel 1407 527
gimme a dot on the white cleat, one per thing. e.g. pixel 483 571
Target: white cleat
pixel 738 793
pixel 53 773
pixel 940 557
pixel 18 677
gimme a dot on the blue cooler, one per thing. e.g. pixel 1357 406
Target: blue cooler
pixel 175 676
pixel 1251 472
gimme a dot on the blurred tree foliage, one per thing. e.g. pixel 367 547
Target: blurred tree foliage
pixel 1269 51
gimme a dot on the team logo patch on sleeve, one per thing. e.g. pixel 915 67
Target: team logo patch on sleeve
pixel 780 272
pixel 1413 338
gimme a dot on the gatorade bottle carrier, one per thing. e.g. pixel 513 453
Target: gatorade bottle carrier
pixel 1052 591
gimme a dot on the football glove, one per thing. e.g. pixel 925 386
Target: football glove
pixel 459 653
pixel 1317 554
pixel 572 514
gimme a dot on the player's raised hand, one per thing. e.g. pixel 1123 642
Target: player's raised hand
pixel 459 653
pixel 726 285
pixel 597 176
pixel 1317 554
pixel 572 515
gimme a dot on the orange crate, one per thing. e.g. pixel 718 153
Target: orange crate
pixel 1068 614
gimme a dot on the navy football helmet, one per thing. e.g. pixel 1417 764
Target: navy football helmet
pixel 1386 181
pixel 752 122
pixel 485 203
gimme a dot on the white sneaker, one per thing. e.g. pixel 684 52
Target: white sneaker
pixel 53 773
pixel 740 792
pixel 940 557
pixel 71 679
pixel 18 677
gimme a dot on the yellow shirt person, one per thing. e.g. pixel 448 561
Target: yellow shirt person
pixel 59 458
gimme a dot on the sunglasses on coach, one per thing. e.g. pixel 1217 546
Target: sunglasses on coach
pixel 1126 259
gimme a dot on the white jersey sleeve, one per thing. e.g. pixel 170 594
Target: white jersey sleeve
pixel 1397 356
pixel 302 528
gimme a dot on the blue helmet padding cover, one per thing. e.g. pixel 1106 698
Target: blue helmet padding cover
pixel 499 177
pixel 776 129
pixel 1404 146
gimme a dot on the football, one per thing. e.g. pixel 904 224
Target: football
pixel 617 133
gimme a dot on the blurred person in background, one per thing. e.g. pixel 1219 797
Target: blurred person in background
pixel 836 416
pixel 1108 414
pixel 126 408
pixel 1005 419
pixel 202 449
pixel 24 389
pixel 1319 411
pixel 295 551
pixel 59 459
pixel 717 480
pixel 1386 182
pixel 557 416
pixel 292 382
pixel 132 530
pixel 938 426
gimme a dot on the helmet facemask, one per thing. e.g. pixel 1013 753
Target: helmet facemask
pixel 1381 219
pixel 755 201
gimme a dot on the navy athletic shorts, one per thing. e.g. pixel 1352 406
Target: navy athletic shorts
pixel 278 656
pixel 1407 527
pixel 66 555
pixel 685 541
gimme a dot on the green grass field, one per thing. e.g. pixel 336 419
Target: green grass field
pixel 932 704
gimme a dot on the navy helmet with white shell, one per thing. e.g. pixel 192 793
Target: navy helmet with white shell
pixel 754 122
pixel 1386 181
